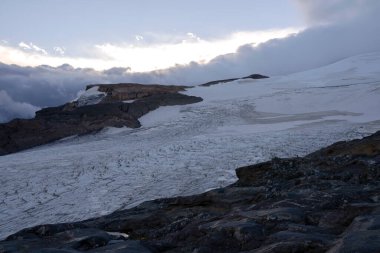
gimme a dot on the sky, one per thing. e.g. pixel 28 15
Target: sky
pixel 142 35
pixel 51 49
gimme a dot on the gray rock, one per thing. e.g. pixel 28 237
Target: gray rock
pixel 123 247
pixel 358 242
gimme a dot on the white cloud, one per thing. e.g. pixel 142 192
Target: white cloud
pixel 139 37
pixel 38 49
pixel 13 55
pixel 59 50
pixel 32 47
pixel 10 109
pixel 23 45
pixel 141 57
pixel 310 48
pixel 153 57
pixel 191 35
pixel 192 38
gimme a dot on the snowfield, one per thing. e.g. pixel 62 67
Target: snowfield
pixel 183 150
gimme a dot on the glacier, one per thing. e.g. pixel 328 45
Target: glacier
pixel 189 149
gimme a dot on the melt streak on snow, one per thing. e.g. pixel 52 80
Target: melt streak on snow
pixel 189 149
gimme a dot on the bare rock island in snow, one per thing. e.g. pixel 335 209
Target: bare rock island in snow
pixel 253 76
pixel 100 106
pixel 327 201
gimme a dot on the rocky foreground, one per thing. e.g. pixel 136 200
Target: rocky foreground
pixel 116 105
pixel 328 201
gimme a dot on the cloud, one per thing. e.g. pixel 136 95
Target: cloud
pixel 24 45
pixel 12 55
pixel 59 50
pixel 333 11
pixel 141 56
pixel 139 37
pixel 329 39
pixel 32 47
pixel 10 109
pixel 44 85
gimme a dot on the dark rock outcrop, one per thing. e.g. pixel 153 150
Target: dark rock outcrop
pixel 130 91
pixel 328 201
pixel 253 76
pixel 54 123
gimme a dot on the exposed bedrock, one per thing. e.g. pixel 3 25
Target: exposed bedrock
pixel 130 91
pixel 253 76
pixel 328 201
pixel 54 123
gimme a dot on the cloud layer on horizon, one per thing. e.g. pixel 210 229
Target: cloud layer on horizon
pixel 10 109
pixel 161 51
pixel 341 28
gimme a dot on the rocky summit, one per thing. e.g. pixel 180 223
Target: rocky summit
pixel 114 105
pixel 327 201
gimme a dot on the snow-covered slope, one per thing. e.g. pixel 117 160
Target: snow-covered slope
pixel 189 149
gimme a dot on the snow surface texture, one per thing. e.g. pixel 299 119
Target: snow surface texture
pixel 183 150
pixel 90 97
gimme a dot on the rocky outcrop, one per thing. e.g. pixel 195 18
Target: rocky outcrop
pixel 54 123
pixel 328 201
pixel 132 91
pixel 253 76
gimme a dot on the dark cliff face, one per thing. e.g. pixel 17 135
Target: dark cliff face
pixel 328 201
pixel 54 123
